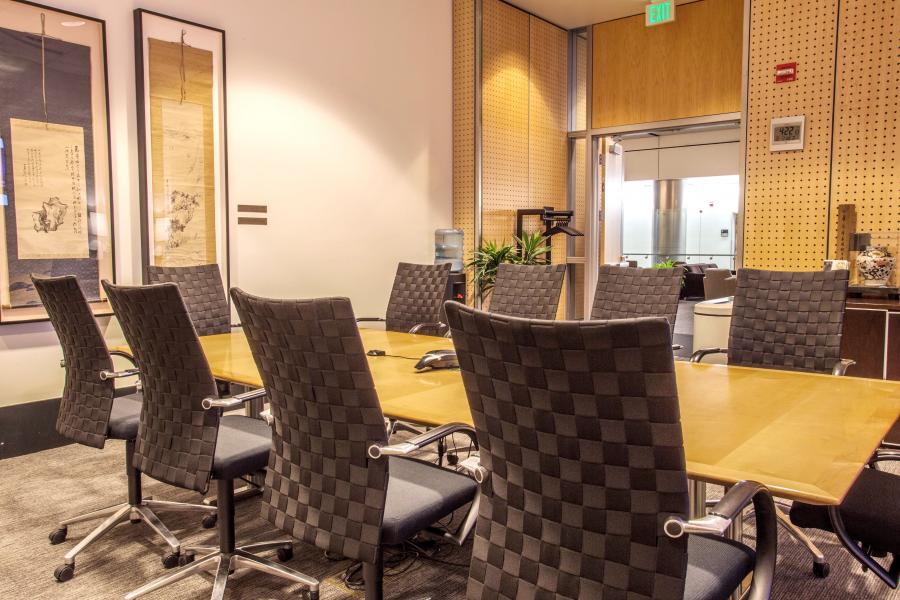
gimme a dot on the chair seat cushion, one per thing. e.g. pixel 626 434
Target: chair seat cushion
pixel 715 567
pixel 420 494
pixel 242 447
pixel 869 511
pixel 124 416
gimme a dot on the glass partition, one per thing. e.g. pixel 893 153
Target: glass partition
pixel 701 222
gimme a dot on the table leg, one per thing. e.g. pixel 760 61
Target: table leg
pixel 697 495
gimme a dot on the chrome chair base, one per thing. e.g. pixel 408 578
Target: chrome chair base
pixel 820 565
pixel 143 512
pixel 222 564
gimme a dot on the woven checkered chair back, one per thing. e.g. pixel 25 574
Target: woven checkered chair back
pixel 527 291
pixel 788 320
pixel 176 439
pixel 203 293
pixel 579 431
pixel 417 296
pixel 86 399
pixel 632 292
pixel 320 485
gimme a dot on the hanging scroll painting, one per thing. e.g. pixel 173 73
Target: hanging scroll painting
pixel 54 156
pixel 181 126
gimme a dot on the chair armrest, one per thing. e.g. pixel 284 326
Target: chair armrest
pixel 370 319
pixel 885 454
pixel 420 441
pixel 472 466
pixel 124 355
pixel 699 355
pixel 106 375
pixel 233 401
pixel 722 516
pixel 840 368
pixel 438 326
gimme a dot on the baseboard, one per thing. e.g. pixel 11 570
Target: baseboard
pixel 29 427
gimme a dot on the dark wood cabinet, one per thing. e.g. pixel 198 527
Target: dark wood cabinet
pixel 872 338
pixel 892 356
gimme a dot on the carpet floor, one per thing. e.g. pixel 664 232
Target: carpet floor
pixel 42 488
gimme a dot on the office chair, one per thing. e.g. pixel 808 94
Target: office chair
pixel 790 321
pixel 333 481
pixel 416 299
pixel 867 522
pixel 92 410
pixel 183 439
pixel 527 291
pixel 203 293
pixel 629 292
pixel 582 467
pixel 718 283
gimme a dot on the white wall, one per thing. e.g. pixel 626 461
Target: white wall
pixel 339 119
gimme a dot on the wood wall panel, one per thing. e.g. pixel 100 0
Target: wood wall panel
pixel 547 121
pixel 547 124
pixel 688 68
pixel 505 105
pixel 524 120
pixel 464 123
pixel 866 163
pixel 786 194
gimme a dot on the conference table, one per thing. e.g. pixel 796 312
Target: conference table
pixel 805 436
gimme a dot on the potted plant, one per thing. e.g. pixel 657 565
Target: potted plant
pixel 530 249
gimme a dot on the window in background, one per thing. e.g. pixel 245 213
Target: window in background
pixel 709 208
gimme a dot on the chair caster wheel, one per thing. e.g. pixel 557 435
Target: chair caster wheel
pixel 311 595
pixel 821 570
pixel 64 573
pixel 171 560
pixel 58 536
pixel 286 553
pixel 185 559
pixel 209 521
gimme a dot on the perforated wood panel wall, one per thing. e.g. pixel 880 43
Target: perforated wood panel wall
pixel 865 170
pixel 547 121
pixel 786 197
pixel 505 105
pixel 464 123
pixel 547 124
pixel 524 119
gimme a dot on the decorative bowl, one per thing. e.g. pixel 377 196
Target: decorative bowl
pixel 875 265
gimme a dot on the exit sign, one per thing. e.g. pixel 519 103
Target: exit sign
pixel 658 13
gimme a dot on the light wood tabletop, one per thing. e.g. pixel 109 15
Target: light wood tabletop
pixel 805 436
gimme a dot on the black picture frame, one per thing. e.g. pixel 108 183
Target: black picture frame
pixel 144 141
pixel 101 308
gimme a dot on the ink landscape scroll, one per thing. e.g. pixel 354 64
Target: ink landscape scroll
pixel 49 160
pixel 181 133
pixel 180 75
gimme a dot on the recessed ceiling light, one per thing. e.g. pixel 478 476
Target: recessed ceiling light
pixel 72 23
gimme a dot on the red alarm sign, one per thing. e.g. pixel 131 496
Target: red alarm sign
pixel 786 72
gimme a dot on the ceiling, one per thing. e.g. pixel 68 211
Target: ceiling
pixel 576 13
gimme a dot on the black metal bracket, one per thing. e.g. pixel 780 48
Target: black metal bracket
pixel 555 221
pixel 837 523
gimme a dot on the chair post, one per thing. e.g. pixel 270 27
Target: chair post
pixel 373 574
pixel 134 476
pixel 225 506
